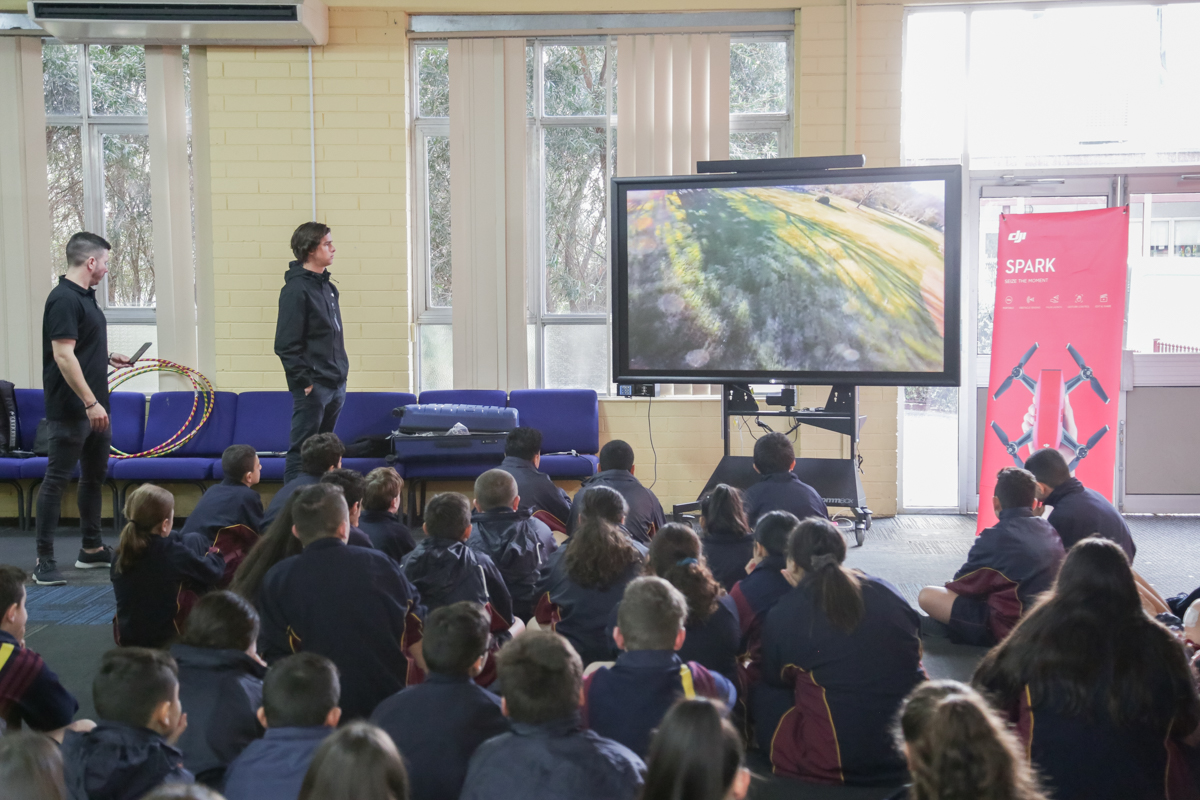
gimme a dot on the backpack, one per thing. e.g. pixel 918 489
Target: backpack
pixel 8 418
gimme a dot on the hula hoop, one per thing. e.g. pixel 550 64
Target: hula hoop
pixel 203 400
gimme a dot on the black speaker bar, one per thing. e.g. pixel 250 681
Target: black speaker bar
pixel 781 164
pixel 164 12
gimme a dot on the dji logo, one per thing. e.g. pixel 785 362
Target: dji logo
pixel 1017 236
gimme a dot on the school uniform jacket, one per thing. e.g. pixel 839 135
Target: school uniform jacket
pixel 627 701
pixel 1080 512
pixel 845 687
pixel 754 596
pixel 578 613
pixel 783 491
pixel 727 554
pixel 350 604
pixel 273 767
pixel 284 494
pixel 230 502
pixel 437 727
pixel 645 512
pixel 536 489
pixel 30 693
pixel 387 533
pixel 148 591
pixel 518 545
pixel 446 572
pixel 712 643
pixel 119 762
pixel 1009 564
pixel 557 760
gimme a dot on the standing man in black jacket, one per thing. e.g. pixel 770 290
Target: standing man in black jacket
pixel 309 340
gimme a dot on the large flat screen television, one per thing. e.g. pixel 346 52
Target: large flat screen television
pixel 847 276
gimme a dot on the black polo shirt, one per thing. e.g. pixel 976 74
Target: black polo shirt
pixel 72 313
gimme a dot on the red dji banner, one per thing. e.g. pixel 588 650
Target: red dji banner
pixel 1056 345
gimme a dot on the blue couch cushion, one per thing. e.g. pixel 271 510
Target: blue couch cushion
pixel 369 414
pixel 569 419
pixel 264 421
pixel 128 414
pixel 579 467
pixel 469 397
pixel 35 468
pixel 168 412
pixel 164 469
pixel 10 468
pixel 31 407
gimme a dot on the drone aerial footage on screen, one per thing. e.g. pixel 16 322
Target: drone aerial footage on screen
pixel 847 276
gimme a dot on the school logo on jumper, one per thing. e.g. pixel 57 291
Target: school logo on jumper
pixel 1017 236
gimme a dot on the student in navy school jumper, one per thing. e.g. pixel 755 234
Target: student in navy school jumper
pixel 625 702
pixel 318 455
pixel 132 749
pixel 353 487
pixel 645 514
pixel 606 503
pixel 438 725
pixel 233 501
pixel 1077 511
pixel 31 767
pixel 352 605
pixel 220 681
pixel 582 583
pixel 522 457
pixel 30 693
pixel 357 762
pixel 760 590
pixel 274 545
pixel 728 538
pixel 152 566
pixel 299 710
pixel 696 754
pixel 957 746
pixel 380 518
pixel 1009 565
pixel 841 651
pixel 1101 695
pixel 517 543
pixel 780 489
pixel 549 754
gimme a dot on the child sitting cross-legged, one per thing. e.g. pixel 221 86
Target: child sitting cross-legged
pixel 380 518
pixel 233 501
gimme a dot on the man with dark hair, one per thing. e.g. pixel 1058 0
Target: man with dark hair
pixel 780 489
pixel 233 501
pixel 319 455
pixel 549 753
pixel 353 487
pixel 448 707
pixel 352 605
pixel 1077 512
pixel 645 515
pixel 536 490
pixel 299 710
pixel 132 749
pixel 75 361
pixel 309 340
pixel 380 519
pixel 1009 564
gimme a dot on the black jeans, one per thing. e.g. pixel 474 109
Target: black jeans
pixel 316 412
pixel 73 442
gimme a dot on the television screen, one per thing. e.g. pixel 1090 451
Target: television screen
pixel 843 276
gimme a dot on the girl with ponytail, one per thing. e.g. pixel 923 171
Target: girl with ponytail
pixel 728 541
pixel 841 651
pixel 696 755
pixel 152 566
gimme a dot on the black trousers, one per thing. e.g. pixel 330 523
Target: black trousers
pixel 73 442
pixel 312 413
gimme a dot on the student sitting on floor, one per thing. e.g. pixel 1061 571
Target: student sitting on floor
pixel 956 746
pixel 548 755
pixel 1009 564
pixel 625 702
pixel 299 710
pixel 696 754
pixel 758 592
pixel 380 518
pixel 728 538
pixel 645 514
pixel 233 501
pixel 581 584
pixel 780 489
pixel 358 762
pixel 152 566
pixel 841 651
pixel 517 543
pixel 353 488
pixel 31 767
pixel 220 681
pixel 131 750
pixel 318 455
pixel 1077 511
pixel 274 545
pixel 440 723
pixel 1102 696
pixel 606 503
pixel 352 605
pixel 522 457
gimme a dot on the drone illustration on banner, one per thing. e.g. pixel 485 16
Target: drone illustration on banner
pixel 1049 402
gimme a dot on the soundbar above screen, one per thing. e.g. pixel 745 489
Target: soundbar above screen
pixel 841 276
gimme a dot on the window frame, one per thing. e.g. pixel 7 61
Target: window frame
pixel 782 123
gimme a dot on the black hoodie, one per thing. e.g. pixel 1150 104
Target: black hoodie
pixel 308 333
pixel 119 762
pixel 518 545
pixel 445 572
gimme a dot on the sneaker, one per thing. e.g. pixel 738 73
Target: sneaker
pixel 46 573
pixel 102 558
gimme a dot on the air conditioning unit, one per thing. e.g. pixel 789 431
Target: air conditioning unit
pixel 215 22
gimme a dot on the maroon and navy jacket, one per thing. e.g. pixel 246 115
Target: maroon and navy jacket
pixel 579 614
pixel 713 643
pixel 754 596
pixel 1079 512
pixel 30 694
pixel 844 688
pixel 627 701
pixel 1009 564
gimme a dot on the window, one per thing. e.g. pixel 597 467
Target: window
pixel 760 97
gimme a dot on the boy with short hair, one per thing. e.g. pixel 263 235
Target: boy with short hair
pixel 1009 564
pixel 626 702
pixel 1077 512
pixel 549 754
pixel 438 725
pixel 537 492
pixel 780 489
pixel 380 518
pixel 318 455
pixel 645 513
pixel 131 750
pixel 300 708
pixel 233 501
pixel 353 487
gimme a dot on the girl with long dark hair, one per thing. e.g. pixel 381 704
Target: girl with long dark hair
pixel 841 651
pixel 1102 695
pixel 696 755
pixel 276 544
pixel 728 540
